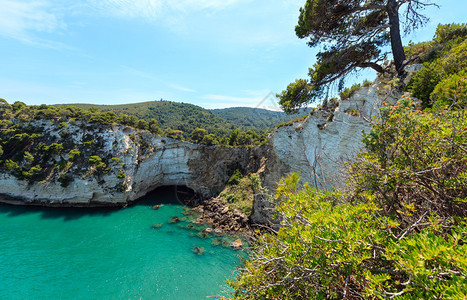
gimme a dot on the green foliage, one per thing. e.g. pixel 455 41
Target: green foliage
pixel 235 178
pixel 121 175
pixel 74 154
pixel 353 112
pixel 32 172
pixel 198 135
pixel 240 192
pixel 116 160
pixel 450 32
pixel 424 81
pixel 297 93
pixel 98 163
pixel 28 158
pixel 12 166
pixel 445 65
pixel 255 119
pixel 397 232
pixel 451 90
pixel 348 92
pixel 95 160
pixel 89 143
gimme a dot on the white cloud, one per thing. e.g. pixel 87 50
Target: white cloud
pixel 259 99
pixel 17 19
pixel 26 20
pixel 155 9
pixel 182 88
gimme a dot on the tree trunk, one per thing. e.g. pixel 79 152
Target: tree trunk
pixel 396 41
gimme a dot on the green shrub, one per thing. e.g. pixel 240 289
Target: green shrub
pixel 450 32
pixel 11 165
pixel 451 90
pixel 116 160
pixel 235 178
pixel 89 143
pixel 422 84
pixel 34 171
pixel 121 175
pixel 74 154
pixel 353 112
pixel 347 92
pixel 100 165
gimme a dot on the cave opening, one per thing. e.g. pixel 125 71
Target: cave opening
pixel 171 194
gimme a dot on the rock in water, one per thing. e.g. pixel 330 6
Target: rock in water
pixel 216 242
pixel 237 244
pixel 174 219
pixel 199 250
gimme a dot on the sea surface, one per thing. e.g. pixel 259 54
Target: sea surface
pixel 50 253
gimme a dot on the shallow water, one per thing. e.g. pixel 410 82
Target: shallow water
pixel 109 254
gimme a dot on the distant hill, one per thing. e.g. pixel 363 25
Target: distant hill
pixel 174 115
pixel 254 118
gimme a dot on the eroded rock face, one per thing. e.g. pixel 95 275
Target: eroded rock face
pixel 158 161
pixel 317 146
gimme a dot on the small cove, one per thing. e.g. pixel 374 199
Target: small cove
pixel 55 253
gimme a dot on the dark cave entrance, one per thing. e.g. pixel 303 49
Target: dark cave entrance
pixel 171 194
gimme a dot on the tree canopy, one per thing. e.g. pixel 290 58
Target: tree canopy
pixel 352 34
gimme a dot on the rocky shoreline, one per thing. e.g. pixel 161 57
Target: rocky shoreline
pixel 219 216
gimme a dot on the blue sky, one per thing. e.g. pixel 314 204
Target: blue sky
pixel 212 53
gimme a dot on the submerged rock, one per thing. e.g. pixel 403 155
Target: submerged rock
pixel 226 244
pixel 199 250
pixel 156 207
pixel 158 225
pixel 216 242
pixel 202 235
pixel 174 219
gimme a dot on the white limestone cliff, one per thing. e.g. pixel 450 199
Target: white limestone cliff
pixel 317 146
pixel 161 162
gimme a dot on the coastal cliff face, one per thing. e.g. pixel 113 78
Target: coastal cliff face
pixel 137 163
pixel 317 146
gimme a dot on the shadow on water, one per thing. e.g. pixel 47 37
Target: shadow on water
pixel 65 213
pixel 168 195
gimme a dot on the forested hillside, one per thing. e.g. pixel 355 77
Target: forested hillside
pixel 176 116
pixel 256 118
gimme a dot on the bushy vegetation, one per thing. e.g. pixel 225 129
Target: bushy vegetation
pixel 348 92
pixel 240 192
pixel 443 79
pixel 398 231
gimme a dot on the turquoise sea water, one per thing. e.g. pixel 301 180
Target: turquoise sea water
pixel 109 254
